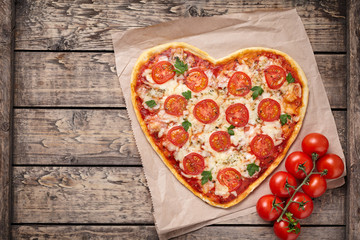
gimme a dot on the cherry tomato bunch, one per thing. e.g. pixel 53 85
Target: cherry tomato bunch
pixel 286 205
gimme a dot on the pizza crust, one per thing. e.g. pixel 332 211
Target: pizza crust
pixel 145 56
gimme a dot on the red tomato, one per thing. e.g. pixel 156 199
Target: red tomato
pixel 316 187
pixel 262 145
pixel 275 76
pixel 282 231
pixel 196 80
pixel 230 177
pixel 269 110
pixel 206 111
pixel 175 105
pixel 162 72
pixel 237 115
pixel 333 164
pixel 304 211
pixel 278 183
pixel 294 160
pixel 178 136
pixel 239 84
pixel 265 209
pixel 315 143
pixel 194 164
pixel 220 141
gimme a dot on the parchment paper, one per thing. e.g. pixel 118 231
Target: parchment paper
pixel 176 209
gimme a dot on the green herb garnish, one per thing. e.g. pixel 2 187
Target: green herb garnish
pixel 187 94
pixel 151 103
pixel 252 168
pixel 257 91
pixel 206 176
pixel 230 129
pixel 290 78
pixel 283 118
pixel 186 124
pixel 180 66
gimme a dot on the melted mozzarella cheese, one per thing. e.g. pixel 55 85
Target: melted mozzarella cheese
pixel 273 129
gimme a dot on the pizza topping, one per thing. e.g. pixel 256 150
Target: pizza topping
pixel 262 145
pixel 293 92
pixel 257 91
pixel 230 130
pixel 284 118
pixel 193 164
pixel 206 111
pixel 290 78
pixel 220 141
pixel 186 124
pixel 151 103
pixel 239 84
pixel 206 176
pixel 186 94
pixel 162 72
pixel 175 105
pixel 252 168
pixel 237 114
pixel 196 80
pixel 230 177
pixel 178 136
pixel 180 66
pixel 275 76
pixel 269 110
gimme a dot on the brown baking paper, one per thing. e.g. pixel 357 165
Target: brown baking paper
pixel 176 209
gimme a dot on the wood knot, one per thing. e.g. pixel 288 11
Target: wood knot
pixel 69 158
pixel 5 127
pixel 193 11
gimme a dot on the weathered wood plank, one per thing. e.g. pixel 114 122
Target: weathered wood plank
pixel 6 77
pixel 353 123
pixel 116 195
pixel 148 232
pixel 85 137
pixel 89 79
pixel 79 25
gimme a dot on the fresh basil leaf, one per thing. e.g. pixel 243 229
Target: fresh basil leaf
pixel 257 91
pixel 289 78
pixel 187 94
pixel 230 130
pixel 283 118
pixel 180 66
pixel 186 124
pixel 252 168
pixel 206 176
pixel 151 103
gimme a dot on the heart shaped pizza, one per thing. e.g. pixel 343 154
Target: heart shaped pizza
pixel 220 126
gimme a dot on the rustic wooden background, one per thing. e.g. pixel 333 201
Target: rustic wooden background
pixel 69 165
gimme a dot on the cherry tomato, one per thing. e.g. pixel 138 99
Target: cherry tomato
pixel 178 136
pixel 275 76
pixel 220 141
pixel 230 177
pixel 265 209
pixel 294 160
pixel 239 84
pixel 175 105
pixel 262 145
pixel 284 232
pixel 279 181
pixel 196 80
pixel 316 187
pixel 206 111
pixel 162 72
pixel 315 143
pixel 333 164
pixel 269 110
pixel 193 163
pixel 237 114
pixel 303 211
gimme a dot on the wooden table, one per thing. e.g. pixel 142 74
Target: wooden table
pixel 69 167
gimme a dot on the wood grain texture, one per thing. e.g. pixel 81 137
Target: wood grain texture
pixel 89 79
pixel 148 232
pixel 86 25
pixel 85 137
pixel 116 195
pixel 6 75
pixel 353 123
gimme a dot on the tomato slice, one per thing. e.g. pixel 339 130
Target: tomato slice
pixel 162 72
pixel 196 80
pixel 194 164
pixel 237 115
pixel 230 177
pixel 206 111
pixel 220 141
pixel 262 145
pixel 269 110
pixel 239 84
pixel 178 136
pixel 275 76
pixel 175 105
